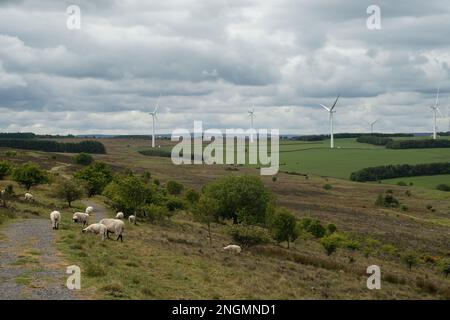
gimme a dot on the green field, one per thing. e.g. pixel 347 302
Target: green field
pixel 425 181
pixel 349 156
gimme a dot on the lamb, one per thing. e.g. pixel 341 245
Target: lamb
pixel 119 215
pixel 55 217
pixel 132 219
pixel 97 228
pixel 29 197
pixel 89 210
pixel 81 217
pixel 233 248
pixel 115 226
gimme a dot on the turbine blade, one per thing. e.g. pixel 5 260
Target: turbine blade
pixel 334 104
pixel 437 97
pixel 326 108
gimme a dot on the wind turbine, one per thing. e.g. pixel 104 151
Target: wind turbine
pixel 331 111
pixel 436 110
pixel 153 114
pixel 251 114
pixel 371 125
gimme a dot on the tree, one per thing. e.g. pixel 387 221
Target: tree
pixel 128 194
pixel 192 196
pixel 5 169
pixel 29 174
pixel 445 267
pixel 96 176
pixel 410 259
pixel 69 191
pixel 283 226
pixel 206 212
pixel 174 187
pixel 84 159
pixel 330 244
pixel 242 198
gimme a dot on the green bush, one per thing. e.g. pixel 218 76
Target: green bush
pixel 375 140
pixel 174 187
pixel 388 201
pixel 445 267
pixel 192 196
pixel 29 174
pixel 402 184
pixel 174 203
pixel 327 187
pixel 250 235
pixel 410 259
pixel 5 169
pixel 443 187
pixel 11 153
pixel 96 176
pixel 330 244
pixel 331 228
pixel 155 213
pixel 283 226
pixel 84 159
pixel 69 191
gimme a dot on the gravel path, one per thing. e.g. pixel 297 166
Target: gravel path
pixel 99 210
pixel 30 267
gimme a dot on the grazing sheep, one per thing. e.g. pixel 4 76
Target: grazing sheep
pixel 132 219
pixel 3 192
pixel 115 226
pixel 97 228
pixel 29 197
pixel 55 217
pixel 233 248
pixel 81 217
pixel 119 215
pixel 89 210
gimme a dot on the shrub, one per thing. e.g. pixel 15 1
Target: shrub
pixel 156 153
pixel 84 159
pixel 445 267
pixel 206 212
pixel 68 191
pixel 274 179
pixel 388 201
pixel 192 196
pixel 313 227
pixel 429 207
pixel 174 203
pixel 330 244
pixel 250 235
pixel 5 169
pixel 443 187
pixel 29 174
pixel 174 187
pixel 10 153
pixel 331 228
pixel 283 226
pixel 410 259
pixel 327 187
pixel 155 212
pixel 389 249
pixel 96 176
pixel 402 184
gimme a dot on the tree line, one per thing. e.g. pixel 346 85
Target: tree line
pixel 418 144
pixel 400 170
pixel 54 146
pixel 320 137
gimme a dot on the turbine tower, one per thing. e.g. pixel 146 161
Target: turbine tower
pixel 331 111
pixel 436 110
pixel 154 117
pixel 251 114
pixel 371 125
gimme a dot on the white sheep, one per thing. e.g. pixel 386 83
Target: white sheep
pixel 55 217
pixel 89 210
pixel 119 215
pixel 97 228
pixel 115 226
pixel 233 248
pixel 81 217
pixel 132 219
pixel 29 197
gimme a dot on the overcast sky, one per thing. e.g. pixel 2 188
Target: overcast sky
pixel 212 60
